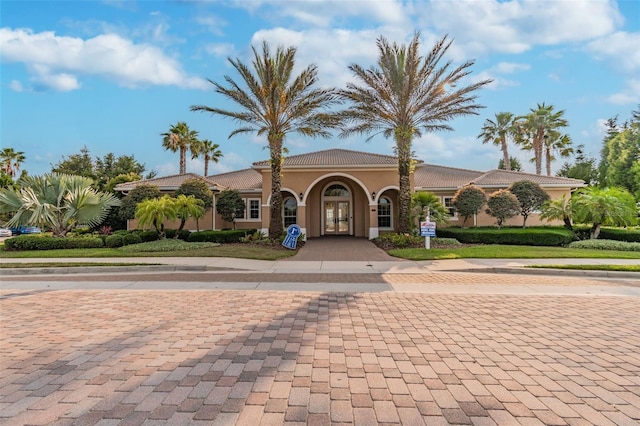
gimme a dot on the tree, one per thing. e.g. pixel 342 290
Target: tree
pixel 404 96
pixel 530 196
pixel 210 152
pixel 121 178
pixel 425 204
pixel 80 164
pixel 57 202
pixel 558 209
pixel 230 205
pixel 621 160
pixel 514 164
pixel 155 211
pixel 498 132
pixel 559 143
pixel 275 104
pixel 199 189
pixel 502 205
pixel 534 128
pixel 186 207
pixel 468 201
pixel 584 168
pixel 181 139
pixel 135 196
pixel 10 161
pixel 604 206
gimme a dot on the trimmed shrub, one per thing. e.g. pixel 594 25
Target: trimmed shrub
pixel 30 242
pixel 113 241
pixel 183 235
pixel 605 245
pixel 512 236
pixel 131 238
pixel 230 236
pixel 387 241
pixel 630 235
pixel 146 236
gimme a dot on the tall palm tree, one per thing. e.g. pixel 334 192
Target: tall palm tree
pixel 535 127
pixel 11 160
pixel 276 103
pixel 180 138
pixel 556 142
pixel 498 132
pixel 210 152
pixel 405 95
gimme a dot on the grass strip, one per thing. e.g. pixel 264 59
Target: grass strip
pixel 621 268
pixel 69 264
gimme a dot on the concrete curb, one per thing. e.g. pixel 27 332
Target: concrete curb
pixel 103 269
pixel 551 271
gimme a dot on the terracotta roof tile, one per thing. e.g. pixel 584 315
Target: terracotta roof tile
pixel 240 179
pixel 498 177
pixel 166 183
pixel 430 176
pixel 335 157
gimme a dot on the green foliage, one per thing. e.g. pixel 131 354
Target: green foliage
pixel 199 189
pixel 121 178
pixel 530 196
pixel 182 139
pixel 229 236
pixel 30 242
pixel 499 132
pixel 389 241
pixel 515 164
pixel 79 164
pixel 10 162
pixel 138 194
pixel 427 202
pixel 113 241
pixel 631 235
pixel 608 206
pixel 468 201
pixel 146 236
pixel 605 245
pixel 621 161
pixel 229 204
pixel 57 202
pixel 131 238
pixel 516 236
pixel 584 168
pixel 558 209
pixel 155 211
pixel 166 245
pixel 182 234
pixel 502 205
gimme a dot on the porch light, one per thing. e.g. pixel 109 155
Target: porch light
pixel 301 195
pixel 373 195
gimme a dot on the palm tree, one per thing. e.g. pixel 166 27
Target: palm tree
pixel 155 211
pixel 276 103
pixel 11 160
pixel 186 207
pixel 604 206
pixel 537 126
pixel 405 95
pixel 497 133
pixel 210 152
pixel 181 138
pixel 558 209
pixel 559 143
pixel 56 201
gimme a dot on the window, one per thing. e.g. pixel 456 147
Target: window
pixel 290 212
pixel 384 213
pixel 448 203
pixel 336 191
pixel 251 210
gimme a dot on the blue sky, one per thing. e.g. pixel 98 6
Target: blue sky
pixel 113 75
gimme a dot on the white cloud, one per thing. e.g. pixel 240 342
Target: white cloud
pixel 16 86
pixel 221 49
pixel 620 49
pixel 494 72
pixel 629 95
pixel 57 61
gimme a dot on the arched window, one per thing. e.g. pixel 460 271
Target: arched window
pixel 290 212
pixel 336 190
pixel 384 213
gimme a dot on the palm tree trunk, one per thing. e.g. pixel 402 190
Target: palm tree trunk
pixel 505 153
pixel 275 222
pixel 548 158
pixel 183 160
pixel 206 165
pixel 537 150
pixel 403 145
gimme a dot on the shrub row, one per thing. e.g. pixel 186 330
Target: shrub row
pixel 30 242
pixel 630 235
pixel 513 236
pixel 606 245
pixel 229 236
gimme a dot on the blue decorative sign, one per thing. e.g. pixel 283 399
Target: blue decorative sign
pixel 427 229
pixel 290 241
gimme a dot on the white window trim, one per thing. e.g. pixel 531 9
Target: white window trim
pixel 455 213
pixel 247 204
pixel 390 214
pixel 297 205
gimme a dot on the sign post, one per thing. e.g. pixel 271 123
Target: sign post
pixel 427 230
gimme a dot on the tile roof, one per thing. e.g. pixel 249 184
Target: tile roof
pixel 240 179
pixel 498 177
pixel 166 183
pixel 431 176
pixel 335 157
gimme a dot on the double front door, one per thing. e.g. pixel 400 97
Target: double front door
pixel 336 217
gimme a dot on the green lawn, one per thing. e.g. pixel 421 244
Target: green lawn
pixel 623 268
pixel 509 252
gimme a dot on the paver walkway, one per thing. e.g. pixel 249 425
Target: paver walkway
pixel 235 357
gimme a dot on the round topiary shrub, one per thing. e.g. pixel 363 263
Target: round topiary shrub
pixel 113 241
pixel 130 238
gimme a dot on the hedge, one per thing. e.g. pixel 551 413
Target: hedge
pixel 606 245
pixel 230 236
pixel 630 235
pixel 513 236
pixel 30 242
pixel 184 234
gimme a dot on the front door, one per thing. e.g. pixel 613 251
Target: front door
pixel 336 217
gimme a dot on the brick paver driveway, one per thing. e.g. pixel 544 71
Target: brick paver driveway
pixel 256 357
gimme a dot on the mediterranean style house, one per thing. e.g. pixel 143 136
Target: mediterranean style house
pixel 342 192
